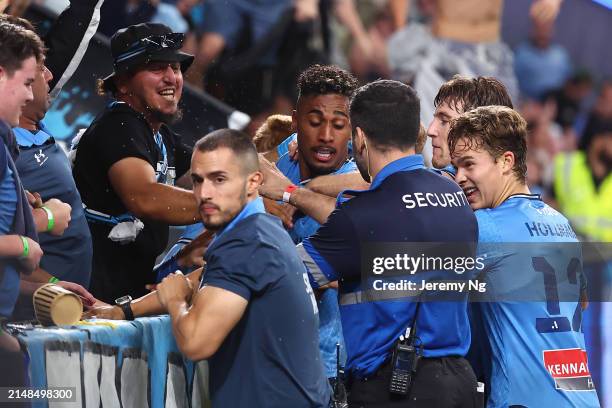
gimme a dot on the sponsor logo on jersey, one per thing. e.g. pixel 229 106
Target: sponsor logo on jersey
pixel 569 369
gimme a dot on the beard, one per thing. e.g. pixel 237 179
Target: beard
pixel 362 166
pixel 226 216
pixel 167 118
pixel 316 171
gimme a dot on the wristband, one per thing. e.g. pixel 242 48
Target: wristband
pixel 53 279
pixel 50 218
pixel 26 247
pixel 287 194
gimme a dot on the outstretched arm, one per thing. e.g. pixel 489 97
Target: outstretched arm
pixel 134 181
pixel 315 205
pixel 333 184
pixel 147 305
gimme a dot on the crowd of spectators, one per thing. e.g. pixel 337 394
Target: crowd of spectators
pixel 249 53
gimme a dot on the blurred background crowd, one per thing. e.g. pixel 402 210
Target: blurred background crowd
pixel 551 54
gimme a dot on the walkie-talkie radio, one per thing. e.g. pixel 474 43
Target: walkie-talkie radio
pixel 405 360
pixel 339 394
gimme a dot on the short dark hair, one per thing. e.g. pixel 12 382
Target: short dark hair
pixel 238 142
pixel 19 21
pixel 469 93
pixel 388 112
pixel 326 79
pixel 18 44
pixel 496 129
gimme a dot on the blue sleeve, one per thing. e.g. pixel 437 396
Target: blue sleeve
pixel 167 266
pixel 169 263
pixel 244 266
pixel 283 148
pixel 284 164
pixel 449 170
pixel 333 252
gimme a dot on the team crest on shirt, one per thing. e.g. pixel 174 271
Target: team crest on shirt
pixel 40 157
pixel 569 369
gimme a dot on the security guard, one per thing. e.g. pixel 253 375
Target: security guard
pixel 405 203
pixel 583 185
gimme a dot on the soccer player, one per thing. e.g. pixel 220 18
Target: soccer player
pixel 458 95
pixel 454 97
pixel 535 356
pixel 321 119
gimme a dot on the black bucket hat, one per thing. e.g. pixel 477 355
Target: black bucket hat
pixel 140 44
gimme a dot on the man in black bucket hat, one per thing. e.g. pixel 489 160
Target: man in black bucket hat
pixel 127 160
pixel 142 43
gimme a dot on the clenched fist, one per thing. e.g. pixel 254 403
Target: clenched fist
pixel 61 215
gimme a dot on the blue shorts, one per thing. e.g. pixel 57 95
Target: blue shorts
pixel 229 18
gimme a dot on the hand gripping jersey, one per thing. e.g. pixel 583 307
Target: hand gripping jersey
pixel 530 343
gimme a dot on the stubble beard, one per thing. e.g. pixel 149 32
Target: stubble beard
pixel 223 224
pixel 167 118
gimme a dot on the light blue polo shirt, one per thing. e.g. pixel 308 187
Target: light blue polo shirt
pixel 330 327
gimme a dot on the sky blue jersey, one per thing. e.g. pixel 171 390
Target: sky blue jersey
pixel 529 347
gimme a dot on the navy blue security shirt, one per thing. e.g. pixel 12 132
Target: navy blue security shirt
pixel 405 203
pixel 271 357
pixel 44 168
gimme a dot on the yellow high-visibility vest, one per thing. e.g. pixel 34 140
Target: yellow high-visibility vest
pixel 588 209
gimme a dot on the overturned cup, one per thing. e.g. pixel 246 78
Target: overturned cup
pixel 56 306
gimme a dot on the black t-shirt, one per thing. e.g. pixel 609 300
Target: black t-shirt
pixel 118 133
pixel 271 358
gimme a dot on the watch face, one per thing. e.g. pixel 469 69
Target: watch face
pixel 123 299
